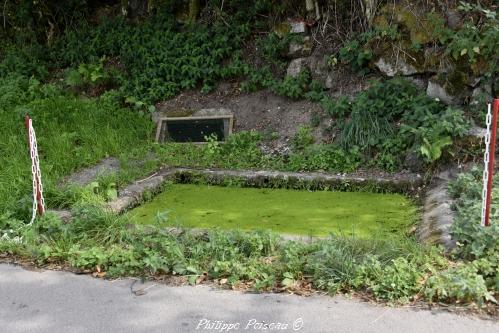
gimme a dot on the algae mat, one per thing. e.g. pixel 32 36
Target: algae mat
pixel 285 211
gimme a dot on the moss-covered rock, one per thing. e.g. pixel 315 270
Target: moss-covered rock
pixel 399 58
pixel 411 22
pixel 450 88
pixel 407 29
pixel 282 29
pixel 395 66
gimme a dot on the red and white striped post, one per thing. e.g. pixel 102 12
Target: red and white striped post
pixel 38 200
pixel 489 160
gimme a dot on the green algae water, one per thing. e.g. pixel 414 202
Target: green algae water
pixel 284 211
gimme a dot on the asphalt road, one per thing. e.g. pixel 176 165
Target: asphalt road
pixel 54 302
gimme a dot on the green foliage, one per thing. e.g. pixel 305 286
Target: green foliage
pixel 373 113
pixel 303 138
pixel 392 117
pixel 316 91
pixel 339 108
pixel 326 158
pixel 357 54
pixel 391 270
pixel 477 108
pixel 242 151
pixel 479 279
pixel 315 119
pixel 400 279
pixel 474 241
pixel 258 78
pixel 433 150
pixel 71 132
pixel 25 57
pixel 273 48
pixel 463 283
pixel 89 75
pixel 476 39
pixel 293 87
pixel 239 150
pixel 366 129
pixel 160 58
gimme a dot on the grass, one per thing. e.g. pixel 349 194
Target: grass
pixel 391 269
pixel 72 132
pixel 359 214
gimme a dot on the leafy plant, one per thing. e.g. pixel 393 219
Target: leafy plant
pixel 459 284
pixel 89 75
pixel 273 47
pixel 357 53
pixel 316 91
pixel 422 122
pixel 339 108
pixel 433 150
pixel 475 39
pixel 398 280
pixel 293 87
pixel 303 138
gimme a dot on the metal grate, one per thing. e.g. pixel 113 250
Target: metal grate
pixel 193 129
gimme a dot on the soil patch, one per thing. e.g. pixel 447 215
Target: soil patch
pixel 262 111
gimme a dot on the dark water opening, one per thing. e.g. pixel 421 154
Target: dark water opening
pixel 194 129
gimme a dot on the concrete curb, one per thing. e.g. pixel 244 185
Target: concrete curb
pixel 133 194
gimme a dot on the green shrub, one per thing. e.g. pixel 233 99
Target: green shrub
pixel 357 54
pixel 273 48
pixel 391 117
pixel 316 91
pixel 475 39
pixel 397 281
pixel 293 87
pixel 474 241
pixel 339 108
pixel 459 284
pixel 160 58
pixel 391 270
pixel 303 138
pixel 477 280
pixel 325 157
pixel 24 57
pixel 89 75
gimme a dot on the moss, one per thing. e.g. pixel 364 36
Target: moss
pixel 453 82
pixel 414 24
pixel 432 61
pixel 414 29
pixel 318 213
pixel 193 10
pixel 480 67
pixel 187 11
pixel 282 29
pixel 291 182
pixel 392 54
pixel 380 22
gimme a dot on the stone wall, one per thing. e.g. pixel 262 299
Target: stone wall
pixel 413 52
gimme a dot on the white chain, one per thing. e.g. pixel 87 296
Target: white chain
pixel 486 157
pixel 36 173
